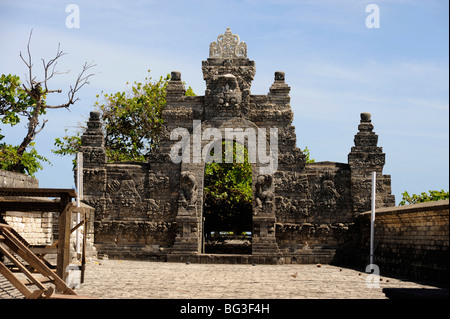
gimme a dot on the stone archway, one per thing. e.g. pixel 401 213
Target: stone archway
pixel 189 239
pixel 227 219
pixel 289 209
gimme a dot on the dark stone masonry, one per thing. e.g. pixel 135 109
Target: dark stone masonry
pixel 301 212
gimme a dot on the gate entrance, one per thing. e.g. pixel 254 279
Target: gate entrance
pixel 227 203
pixel 159 208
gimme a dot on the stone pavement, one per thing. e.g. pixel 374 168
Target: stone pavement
pixel 123 279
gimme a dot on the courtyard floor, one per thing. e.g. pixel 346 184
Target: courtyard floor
pixel 123 279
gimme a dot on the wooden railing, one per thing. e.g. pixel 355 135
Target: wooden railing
pixel 31 200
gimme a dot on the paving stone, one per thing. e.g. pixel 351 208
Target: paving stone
pixel 163 280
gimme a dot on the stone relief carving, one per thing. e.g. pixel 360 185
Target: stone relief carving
pixel 227 92
pixel 294 157
pixel 291 182
pixel 157 183
pixel 228 45
pixel 264 194
pixel 128 196
pixel 188 190
pixel 315 233
pixel 94 155
pixel 228 75
pixel 329 194
pixel 288 206
pixel 95 179
pixel 157 209
pixel 228 87
pixel 326 193
pixel 124 192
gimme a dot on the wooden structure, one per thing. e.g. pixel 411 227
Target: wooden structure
pixel 32 200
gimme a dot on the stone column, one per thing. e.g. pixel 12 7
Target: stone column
pixel 188 219
pixel 94 170
pixel 263 235
pixel 366 157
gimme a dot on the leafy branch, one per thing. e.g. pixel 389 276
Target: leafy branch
pixel 29 101
pixel 423 197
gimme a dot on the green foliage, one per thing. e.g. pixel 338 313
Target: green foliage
pixel 132 121
pixel 68 145
pixel 14 103
pixel 29 163
pixel 13 99
pixel 228 193
pixel 308 156
pixel 423 197
pixel 190 92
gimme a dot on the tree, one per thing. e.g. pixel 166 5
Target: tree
pixel 423 197
pixel 228 193
pixel 18 100
pixel 132 121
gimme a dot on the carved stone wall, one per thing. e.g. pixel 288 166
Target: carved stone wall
pixel 366 157
pixel 301 213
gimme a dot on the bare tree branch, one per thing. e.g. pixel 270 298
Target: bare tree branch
pixel 29 64
pixel 81 81
pixel 35 91
pixel 47 66
pixel 40 129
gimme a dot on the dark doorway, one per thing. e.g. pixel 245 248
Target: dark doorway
pixel 227 204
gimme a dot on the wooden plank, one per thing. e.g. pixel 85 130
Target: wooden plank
pixel 55 243
pixel 63 247
pixel 17 235
pixel 22 268
pixel 14 280
pixel 42 280
pixel 30 206
pixel 37 192
pixel 59 296
pixel 46 294
pixel 19 248
pixel 43 250
pixel 84 208
pixel 35 294
pixel 78 226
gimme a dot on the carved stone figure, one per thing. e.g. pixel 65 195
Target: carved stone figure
pixel 188 190
pixel 264 194
pixel 227 91
pixel 329 193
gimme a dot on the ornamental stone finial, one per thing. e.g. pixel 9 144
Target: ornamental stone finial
pixel 228 46
pixel 365 117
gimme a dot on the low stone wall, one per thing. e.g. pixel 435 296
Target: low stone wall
pixel 411 240
pixel 11 179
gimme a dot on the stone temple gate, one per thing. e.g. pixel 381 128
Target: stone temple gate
pixel 301 212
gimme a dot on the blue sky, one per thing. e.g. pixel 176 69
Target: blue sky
pixel 335 65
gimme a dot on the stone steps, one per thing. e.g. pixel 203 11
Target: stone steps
pixel 223 259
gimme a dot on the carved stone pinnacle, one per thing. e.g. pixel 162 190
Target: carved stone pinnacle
pixel 228 46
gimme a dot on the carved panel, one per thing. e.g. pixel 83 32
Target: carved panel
pixel 228 46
